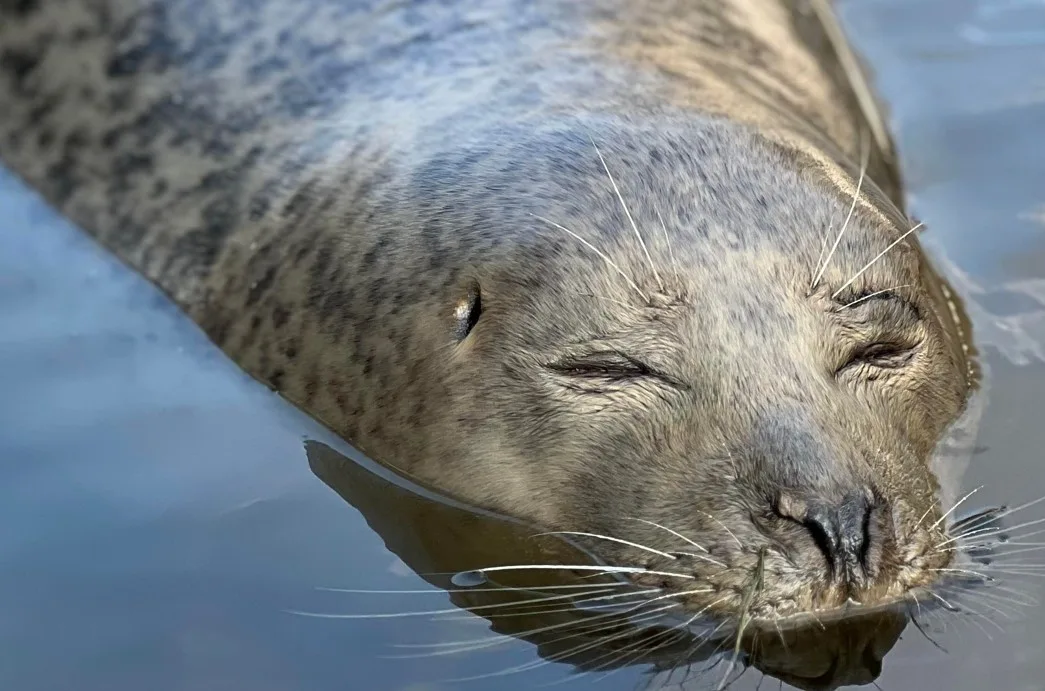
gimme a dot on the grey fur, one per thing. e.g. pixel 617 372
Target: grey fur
pixel 321 184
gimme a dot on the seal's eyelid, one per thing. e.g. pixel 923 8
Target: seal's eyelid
pixel 613 365
pixel 882 355
pixel 884 296
pixel 601 364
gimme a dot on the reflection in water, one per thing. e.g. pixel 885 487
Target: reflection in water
pixel 588 619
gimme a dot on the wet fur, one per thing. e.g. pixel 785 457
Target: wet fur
pixel 319 184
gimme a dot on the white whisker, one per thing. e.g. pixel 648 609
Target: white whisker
pixel 603 297
pixel 999 556
pixel 479 589
pixel 673 532
pixel 671 252
pixel 958 503
pixel 586 623
pixel 726 528
pixel 540 663
pixel 871 263
pixel 874 295
pixel 572 605
pixel 606 570
pixel 977 574
pixel 864 156
pixel 610 539
pixel 676 632
pixel 423 613
pixel 627 213
pixel 996 529
pixel 597 251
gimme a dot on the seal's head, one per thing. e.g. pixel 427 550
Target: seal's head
pixel 669 341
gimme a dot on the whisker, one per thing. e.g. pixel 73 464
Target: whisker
pixel 864 156
pixel 423 613
pixel 671 252
pixel 573 605
pixel 986 593
pixel 946 604
pixel 622 657
pixel 874 294
pixel 1014 591
pixel 439 591
pixel 979 626
pixel 997 529
pixel 726 528
pixel 1021 507
pixel 549 660
pixel 610 539
pixel 982 532
pixel 871 263
pixel 683 538
pixel 1023 536
pixel 977 613
pixel 1018 573
pixel 673 634
pixel 602 569
pixel 597 251
pixel 958 503
pixel 594 623
pixel 627 213
pixel 603 297
pixel 745 613
pixel 975 597
pixel 921 629
pixel 823 248
pixel 702 558
pixel 977 574
pixel 1001 555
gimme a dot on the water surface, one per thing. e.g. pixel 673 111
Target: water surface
pixel 161 514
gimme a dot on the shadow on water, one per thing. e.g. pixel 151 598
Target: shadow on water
pixel 594 625
pixel 158 518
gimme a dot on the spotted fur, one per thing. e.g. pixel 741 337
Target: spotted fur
pixel 320 184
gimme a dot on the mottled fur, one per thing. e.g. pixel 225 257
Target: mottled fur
pixel 319 184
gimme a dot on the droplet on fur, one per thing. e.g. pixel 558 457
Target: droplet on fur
pixel 468 579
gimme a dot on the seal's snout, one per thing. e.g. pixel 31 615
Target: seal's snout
pixel 845 532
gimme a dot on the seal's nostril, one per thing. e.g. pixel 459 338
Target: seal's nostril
pixel 840 530
pixel 822 523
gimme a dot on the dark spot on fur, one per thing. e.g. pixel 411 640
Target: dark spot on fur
pixel 45 138
pixel 19 64
pixel 280 316
pixel 260 287
pixel 19 8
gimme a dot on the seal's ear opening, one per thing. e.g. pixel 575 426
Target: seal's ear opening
pixel 468 311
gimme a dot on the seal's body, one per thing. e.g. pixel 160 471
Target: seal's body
pixel 580 262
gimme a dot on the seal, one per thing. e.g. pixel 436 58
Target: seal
pixel 632 271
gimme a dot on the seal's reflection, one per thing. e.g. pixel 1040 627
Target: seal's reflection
pixel 437 540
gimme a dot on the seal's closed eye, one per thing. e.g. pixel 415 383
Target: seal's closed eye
pixel 889 326
pixel 883 355
pixel 608 364
pixel 613 366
